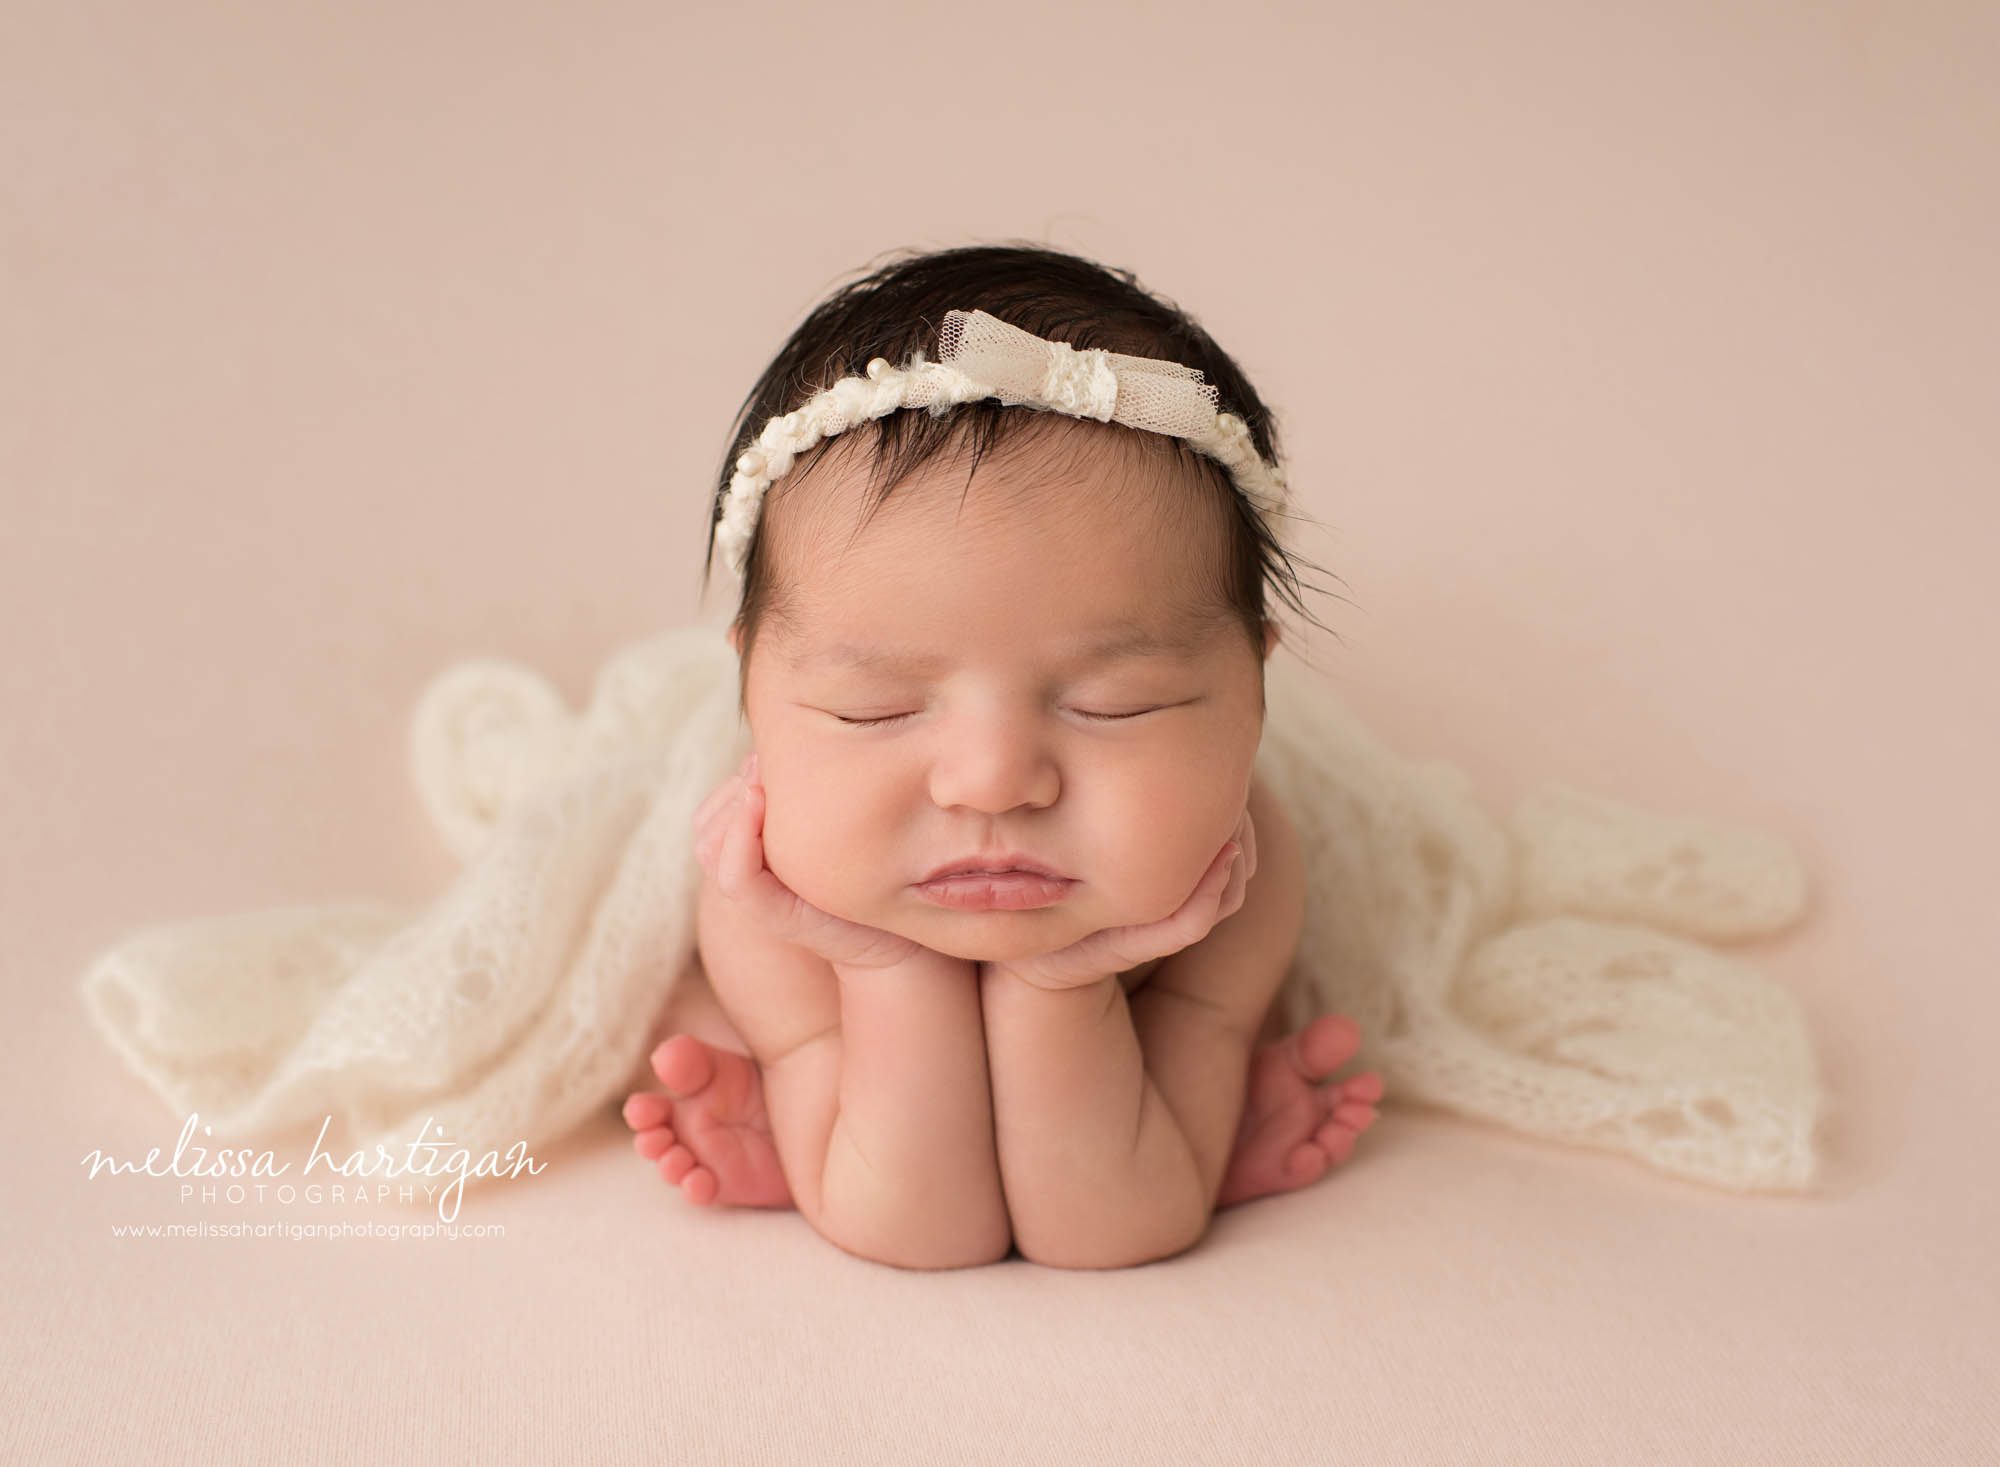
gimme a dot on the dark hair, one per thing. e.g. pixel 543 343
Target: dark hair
pixel 895 308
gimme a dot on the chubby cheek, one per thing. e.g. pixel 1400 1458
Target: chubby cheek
pixel 826 850
pixel 1162 850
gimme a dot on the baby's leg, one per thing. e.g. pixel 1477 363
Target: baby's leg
pixel 752 1078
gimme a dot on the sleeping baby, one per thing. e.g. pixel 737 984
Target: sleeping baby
pixel 996 909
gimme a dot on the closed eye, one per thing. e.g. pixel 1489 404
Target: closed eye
pixel 1079 712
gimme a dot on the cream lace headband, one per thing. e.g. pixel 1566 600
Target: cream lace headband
pixel 981 356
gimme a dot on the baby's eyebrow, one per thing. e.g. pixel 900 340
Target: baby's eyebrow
pixel 1119 641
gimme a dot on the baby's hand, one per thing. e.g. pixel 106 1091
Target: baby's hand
pixel 1114 949
pixel 729 843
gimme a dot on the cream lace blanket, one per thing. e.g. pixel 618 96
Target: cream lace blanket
pixel 1555 973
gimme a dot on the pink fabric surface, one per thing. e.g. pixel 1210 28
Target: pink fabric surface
pixel 1641 367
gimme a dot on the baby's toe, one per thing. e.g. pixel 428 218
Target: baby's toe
pixel 700 1186
pixel 1357 1114
pixel 652 1144
pixel 646 1110
pixel 1327 1043
pixel 1307 1160
pixel 675 1163
pixel 1365 1086
pixel 1336 1139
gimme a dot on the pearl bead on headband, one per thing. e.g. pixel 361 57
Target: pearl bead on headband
pixel 981 356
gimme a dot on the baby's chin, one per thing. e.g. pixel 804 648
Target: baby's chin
pixel 983 940
pixel 996 937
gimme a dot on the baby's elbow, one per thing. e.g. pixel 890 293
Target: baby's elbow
pixel 1165 1236
pixel 943 1260
pixel 925 1249
pixel 1171 1242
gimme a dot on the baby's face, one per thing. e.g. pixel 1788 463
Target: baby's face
pixel 990 614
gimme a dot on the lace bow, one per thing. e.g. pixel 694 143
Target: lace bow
pixel 1022 368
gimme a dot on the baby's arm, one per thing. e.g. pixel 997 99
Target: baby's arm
pixel 1097 1173
pixel 1202 1014
pixel 1116 1118
pixel 910 1161
pixel 876 1088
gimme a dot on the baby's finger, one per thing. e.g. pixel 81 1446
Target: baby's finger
pixel 1231 898
pixel 744 877
pixel 1199 912
pixel 741 858
pixel 721 795
pixel 708 836
pixel 1233 881
pixel 725 791
pixel 1228 861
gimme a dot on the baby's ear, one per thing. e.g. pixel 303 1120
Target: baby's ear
pixel 1271 632
pixel 734 636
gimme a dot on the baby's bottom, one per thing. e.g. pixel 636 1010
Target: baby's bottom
pixel 709 1133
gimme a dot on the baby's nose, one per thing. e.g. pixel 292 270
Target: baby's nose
pixel 993 776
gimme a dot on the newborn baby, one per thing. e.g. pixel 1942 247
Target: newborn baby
pixel 996 910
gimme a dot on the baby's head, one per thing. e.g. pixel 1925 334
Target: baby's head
pixel 930 604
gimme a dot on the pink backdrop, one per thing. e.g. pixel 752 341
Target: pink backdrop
pixel 1638 359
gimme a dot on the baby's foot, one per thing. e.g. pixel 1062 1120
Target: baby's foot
pixel 1293 1126
pixel 709 1131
